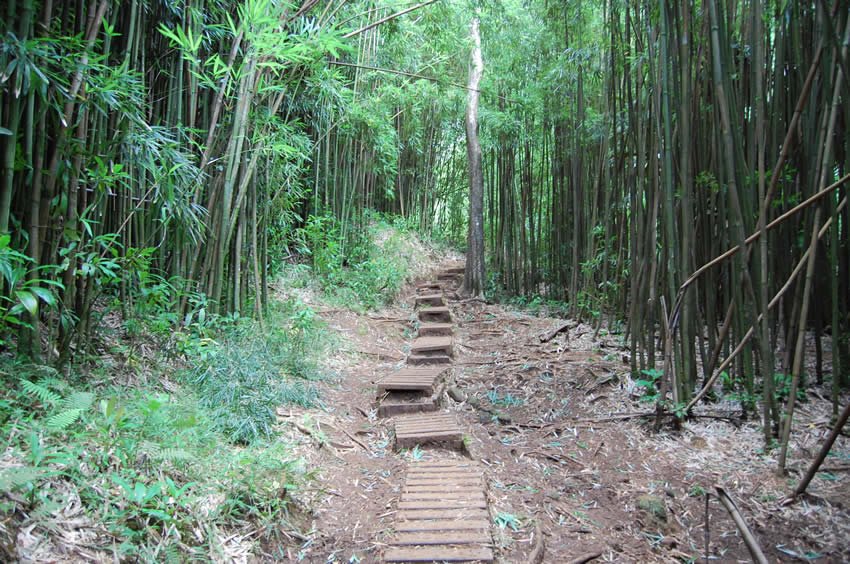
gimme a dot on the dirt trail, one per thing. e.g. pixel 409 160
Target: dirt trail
pixel 544 420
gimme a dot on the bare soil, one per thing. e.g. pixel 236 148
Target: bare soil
pixel 566 458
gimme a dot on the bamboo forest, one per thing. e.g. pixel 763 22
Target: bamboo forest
pixel 345 281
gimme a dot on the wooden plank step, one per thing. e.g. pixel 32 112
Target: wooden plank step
pixel 443 504
pixel 429 464
pixel 435 329
pixel 391 409
pixel 431 514
pixel 428 286
pixel 420 538
pixel 431 299
pixel 440 478
pixel 443 464
pixel 444 495
pixel 411 424
pixel 442 525
pixel 422 378
pixel 449 487
pixel 456 269
pixel 456 481
pixel 438 554
pixel 439 314
pixel 452 439
pixel 428 360
pixel 431 345
pixel 426 428
pixel 419 436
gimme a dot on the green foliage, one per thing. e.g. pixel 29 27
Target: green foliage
pixel 144 463
pixel 25 286
pixel 370 270
pixel 248 373
pixel 649 383
pixel 503 519
pixel 508 400
pixel 782 388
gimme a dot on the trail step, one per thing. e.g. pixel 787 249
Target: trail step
pixel 426 429
pixel 428 359
pixel 406 402
pixel 438 314
pixel 428 287
pixel 422 379
pixel 432 346
pixel 431 299
pixel 435 329
pixel 449 524
pixel 455 270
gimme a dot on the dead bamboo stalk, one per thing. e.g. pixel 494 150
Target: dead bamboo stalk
pixel 824 450
pixel 746 534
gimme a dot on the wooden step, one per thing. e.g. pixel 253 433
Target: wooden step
pixel 428 287
pixel 406 402
pixel 427 359
pixel 426 429
pixel 435 329
pixel 433 299
pixel 438 554
pixel 438 314
pixel 456 269
pixel 430 514
pixel 432 346
pixel 449 522
pixel 391 407
pixel 419 538
pixel 422 379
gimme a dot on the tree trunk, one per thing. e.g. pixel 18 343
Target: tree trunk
pixel 473 281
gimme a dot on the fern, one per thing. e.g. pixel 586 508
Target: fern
pixel 79 400
pixel 63 420
pixel 159 453
pixel 40 392
pixel 174 455
pixel 12 478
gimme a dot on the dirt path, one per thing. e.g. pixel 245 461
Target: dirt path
pixel 560 464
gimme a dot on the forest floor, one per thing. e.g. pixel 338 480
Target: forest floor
pixel 567 460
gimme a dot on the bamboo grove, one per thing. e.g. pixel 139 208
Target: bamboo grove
pixel 632 144
pixel 171 152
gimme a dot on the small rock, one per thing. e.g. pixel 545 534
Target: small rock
pixel 552 494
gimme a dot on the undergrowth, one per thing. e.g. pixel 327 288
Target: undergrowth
pixel 363 270
pixel 151 472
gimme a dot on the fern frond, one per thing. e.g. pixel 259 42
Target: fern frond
pixel 79 400
pixel 11 478
pixel 159 453
pixel 41 393
pixel 63 420
pixel 174 455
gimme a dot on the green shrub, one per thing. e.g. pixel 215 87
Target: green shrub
pixel 366 269
pixel 244 377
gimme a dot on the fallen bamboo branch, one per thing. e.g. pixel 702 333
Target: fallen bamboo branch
pixel 539 550
pixel 586 557
pixel 549 335
pixel 746 534
pixel 824 450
